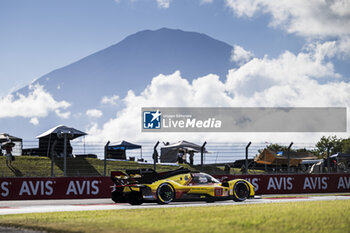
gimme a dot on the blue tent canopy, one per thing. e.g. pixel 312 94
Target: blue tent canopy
pixel 123 145
pixel 340 155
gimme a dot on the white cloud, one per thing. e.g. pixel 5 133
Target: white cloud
pixel 240 55
pixel 313 18
pixel 34 121
pixel 63 115
pixel 94 113
pixel 163 3
pixel 38 103
pixel 206 1
pixel 160 3
pixel 244 7
pixel 337 48
pixel 287 71
pixel 110 100
pixel 323 50
pixel 289 80
pixel 343 47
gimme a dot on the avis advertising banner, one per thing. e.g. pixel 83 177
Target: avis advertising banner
pixel 55 188
pixel 101 187
pixel 299 183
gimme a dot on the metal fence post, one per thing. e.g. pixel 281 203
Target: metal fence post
pixel 246 157
pixel 202 155
pixel 48 154
pixel 105 159
pixel 337 164
pixel 288 155
pixel 155 156
pixel 65 155
pixel 52 164
pixel 328 161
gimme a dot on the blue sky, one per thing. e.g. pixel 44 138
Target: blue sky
pixel 39 36
pixel 291 53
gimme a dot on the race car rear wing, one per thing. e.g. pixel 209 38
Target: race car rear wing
pixel 143 176
pixel 134 176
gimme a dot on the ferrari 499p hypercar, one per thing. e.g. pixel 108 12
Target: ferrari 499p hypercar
pixel 146 185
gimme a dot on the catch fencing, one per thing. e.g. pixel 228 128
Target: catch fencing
pixel 215 161
pixel 217 152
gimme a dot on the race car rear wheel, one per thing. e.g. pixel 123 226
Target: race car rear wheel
pixel 165 193
pixel 241 191
pixel 117 196
pixel 134 198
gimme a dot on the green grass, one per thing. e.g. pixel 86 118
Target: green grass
pixel 238 171
pixel 318 217
pixel 34 166
pixel 303 195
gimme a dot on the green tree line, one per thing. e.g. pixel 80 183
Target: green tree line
pixel 334 144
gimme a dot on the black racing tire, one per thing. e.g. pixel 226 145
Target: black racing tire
pixel 241 191
pixel 118 197
pixel 165 193
pixel 134 198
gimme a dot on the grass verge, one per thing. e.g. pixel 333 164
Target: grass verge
pixel 322 216
pixel 34 166
pixel 302 195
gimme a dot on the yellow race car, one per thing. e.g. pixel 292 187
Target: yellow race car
pixel 146 185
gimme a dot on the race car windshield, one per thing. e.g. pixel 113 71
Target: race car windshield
pixel 202 178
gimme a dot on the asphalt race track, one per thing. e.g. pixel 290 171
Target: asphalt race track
pixel 42 206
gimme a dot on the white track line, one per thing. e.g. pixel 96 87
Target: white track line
pixel 87 207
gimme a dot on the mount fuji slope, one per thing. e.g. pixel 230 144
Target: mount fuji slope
pixel 133 62
pixel 128 65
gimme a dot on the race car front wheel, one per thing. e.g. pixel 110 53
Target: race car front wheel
pixel 241 191
pixel 165 193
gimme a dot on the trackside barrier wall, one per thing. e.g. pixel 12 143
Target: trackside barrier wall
pixel 100 187
pixel 55 188
pixel 294 184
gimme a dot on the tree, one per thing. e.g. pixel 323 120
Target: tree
pixel 277 147
pixel 345 146
pixel 332 142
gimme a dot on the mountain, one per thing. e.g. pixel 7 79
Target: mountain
pixel 133 62
pixel 130 65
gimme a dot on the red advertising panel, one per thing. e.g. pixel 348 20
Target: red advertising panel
pixel 54 188
pixel 299 183
pixel 100 187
